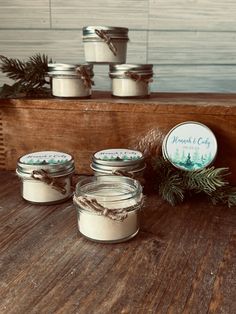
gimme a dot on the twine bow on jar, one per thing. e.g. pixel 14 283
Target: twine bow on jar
pixel 43 176
pixel 85 76
pixel 118 214
pixel 107 39
pixel 138 77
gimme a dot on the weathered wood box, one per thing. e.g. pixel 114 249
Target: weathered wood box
pixel 82 127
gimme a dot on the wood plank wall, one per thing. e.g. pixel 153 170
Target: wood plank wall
pixel 191 42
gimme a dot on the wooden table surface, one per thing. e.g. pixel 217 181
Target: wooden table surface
pixel 182 261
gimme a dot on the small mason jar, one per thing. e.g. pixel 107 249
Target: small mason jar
pixel 108 208
pixel 119 161
pixel 131 80
pixel 46 177
pixel 71 80
pixel 105 44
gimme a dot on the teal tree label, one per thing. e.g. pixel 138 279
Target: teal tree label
pixel 118 154
pixel 190 146
pixel 45 158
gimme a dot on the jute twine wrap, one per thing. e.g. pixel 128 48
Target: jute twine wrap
pixel 85 76
pixel 130 174
pixel 137 77
pixel 107 39
pixel 118 214
pixel 43 176
pixel 123 173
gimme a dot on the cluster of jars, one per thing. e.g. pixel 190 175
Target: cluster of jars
pixel 107 203
pixel 102 45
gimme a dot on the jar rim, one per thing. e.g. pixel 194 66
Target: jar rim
pixel 68 69
pixel 90 29
pixel 42 160
pixel 119 70
pixel 128 188
pixel 109 169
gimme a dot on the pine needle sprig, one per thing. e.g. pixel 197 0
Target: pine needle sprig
pixel 232 196
pixel 14 68
pixel 29 75
pixel 169 182
pixel 173 183
pixel 206 180
pixel 171 188
pixel 225 195
pixel 36 69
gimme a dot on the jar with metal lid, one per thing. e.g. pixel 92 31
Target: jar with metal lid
pixel 190 146
pixel 46 176
pixel 108 208
pixel 71 80
pixel 119 161
pixel 131 80
pixel 105 44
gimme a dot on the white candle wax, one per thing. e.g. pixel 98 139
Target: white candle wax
pixel 126 87
pixel 101 228
pixel 39 192
pixel 99 52
pixel 69 87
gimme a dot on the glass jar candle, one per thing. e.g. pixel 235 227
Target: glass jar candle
pixel 108 208
pixel 46 176
pixel 71 80
pixel 119 161
pixel 105 44
pixel 131 80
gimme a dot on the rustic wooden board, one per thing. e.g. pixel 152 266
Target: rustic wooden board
pixel 182 261
pixel 76 14
pixel 24 14
pixel 191 48
pixel 82 127
pixel 204 15
pixel 195 78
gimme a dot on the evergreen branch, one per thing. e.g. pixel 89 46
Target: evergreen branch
pixel 173 183
pixel 205 180
pixel 232 197
pixel 36 69
pixel 225 195
pixel 171 189
pixel 14 68
pixel 29 75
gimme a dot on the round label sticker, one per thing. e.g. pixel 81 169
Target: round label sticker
pixel 190 146
pixel 45 158
pixel 118 155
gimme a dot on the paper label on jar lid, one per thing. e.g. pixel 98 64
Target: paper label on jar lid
pixel 45 158
pixel 118 154
pixel 190 146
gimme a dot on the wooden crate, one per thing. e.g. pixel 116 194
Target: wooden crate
pixel 81 127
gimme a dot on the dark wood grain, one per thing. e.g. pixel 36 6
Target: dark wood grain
pixel 82 127
pixel 182 261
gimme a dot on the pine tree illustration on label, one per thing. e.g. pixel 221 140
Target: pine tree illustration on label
pixel 190 146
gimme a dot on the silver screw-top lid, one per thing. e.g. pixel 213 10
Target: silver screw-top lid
pixel 110 160
pixel 55 163
pixel 112 32
pixel 190 146
pixel 69 69
pixel 121 70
